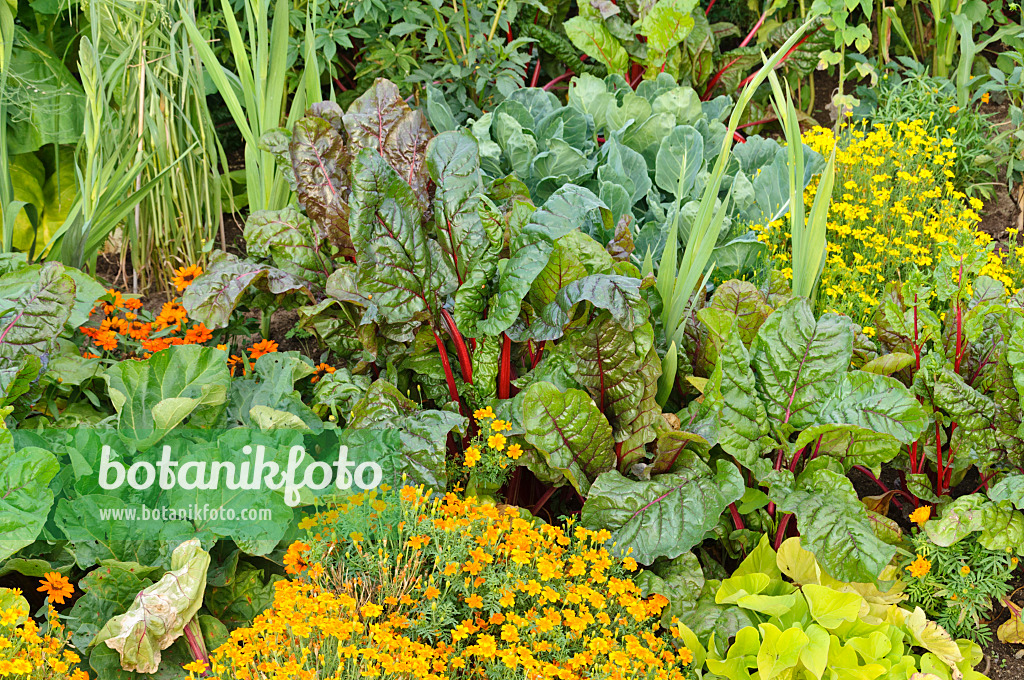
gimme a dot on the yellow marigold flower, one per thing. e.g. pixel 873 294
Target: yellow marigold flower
pixel 500 426
pixel 921 515
pixel 685 656
pixel 483 413
pixel 954 109
pixel 965 570
pixel 371 610
pixel 496 442
pixel 514 451
pixel 472 456
pixel 919 567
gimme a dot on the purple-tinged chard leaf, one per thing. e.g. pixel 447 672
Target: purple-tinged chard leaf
pixel 371 117
pixel 320 162
pixel 215 294
pixel 405 149
pixel 287 238
pixel 35 303
pixel 402 270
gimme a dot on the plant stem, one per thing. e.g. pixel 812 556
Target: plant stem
pixel 736 519
pixel 781 533
pixel 449 376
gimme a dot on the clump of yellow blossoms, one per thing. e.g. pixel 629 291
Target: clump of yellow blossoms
pixel 28 653
pixel 454 589
pixel 894 207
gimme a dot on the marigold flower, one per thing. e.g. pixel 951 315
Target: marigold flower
pixel 500 426
pixel 965 570
pixel 514 451
pixel 472 456
pixel 184 276
pixel 919 567
pixel 56 586
pixel 483 413
pixel 294 560
pixel 921 515
pixel 496 442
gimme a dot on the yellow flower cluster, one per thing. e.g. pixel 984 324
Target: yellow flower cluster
pixel 26 653
pixel 893 208
pixel 463 589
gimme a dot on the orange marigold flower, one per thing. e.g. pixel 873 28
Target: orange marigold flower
pixel 198 334
pixel 262 347
pixel 184 276
pixel 56 587
pixel 321 371
pixel 921 515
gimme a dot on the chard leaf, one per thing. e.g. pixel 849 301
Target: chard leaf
pixel 800 362
pixel 747 303
pixel 1002 528
pixel 35 303
pixel 286 237
pixel 743 426
pixel 835 526
pixel 155 395
pixel 453 161
pixel 619 295
pixel 404 271
pixel 423 433
pixel 531 247
pixel 594 39
pixel 569 431
pixel 405 150
pixel 320 162
pixel 214 295
pixel 373 114
pixel 850 444
pixel 667 515
pixel 159 614
pixel 107 592
pixel 877 403
pixel 667 23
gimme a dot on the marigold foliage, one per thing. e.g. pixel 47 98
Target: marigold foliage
pixel 445 588
pixel 894 207
pixel 29 653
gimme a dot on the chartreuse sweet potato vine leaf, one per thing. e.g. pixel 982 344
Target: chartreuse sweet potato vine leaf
pixel 821 628
pixel 159 614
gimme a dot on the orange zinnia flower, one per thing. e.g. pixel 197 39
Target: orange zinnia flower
pixel 115 302
pixel 321 370
pixel 234 361
pixel 155 344
pixel 133 304
pixel 106 340
pixel 56 587
pixel 184 276
pixel 115 324
pixel 262 347
pixel 139 330
pixel 198 334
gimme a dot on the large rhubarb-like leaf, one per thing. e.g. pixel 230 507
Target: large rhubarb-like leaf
pixel 215 294
pixel 154 396
pixel 320 163
pixel 471 242
pixel 799 362
pixel 569 431
pixel 402 270
pixel 25 494
pixel 835 526
pixel 664 516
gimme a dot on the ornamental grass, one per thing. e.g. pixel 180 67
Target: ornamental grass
pixel 409 586
pixel 894 207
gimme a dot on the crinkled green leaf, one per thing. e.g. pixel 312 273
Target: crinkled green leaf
pixel 373 114
pixel 664 516
pixel 214 295
pixel 35 303
pixel 569 431
pixel 26 497
pixel 286 237
pixel 835 526
pixel 594 39
pixel 800 362
pixel 106 592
